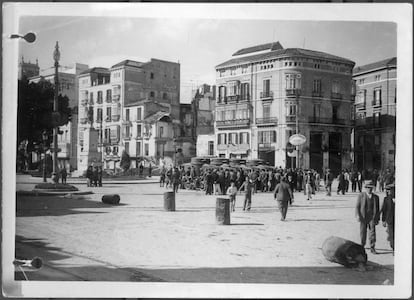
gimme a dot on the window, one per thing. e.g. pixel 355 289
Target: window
pixel 291 110
pixel 335 87
pixel 334 113
pixel 152 94
pixel 99 115
pixel 266 87
pixel 99 97
pixel 244 69
pixel 107 135
pixel 127 131
pixel 127 147
pixel 317 86
pixel 108 114
pixel 266 111
pixel 164 96
pixel 233 71
pixel 221 139
pixel 138 149
pixel 317 111
pixel 152 75
pixel 377 117
pixel 211 148
pixel 361 98
pixel 244 138
pixel 377 97
pixel 221 73
pixel 245 91
pixel 293 81
pixel 161 131
pixel 377 140
pixel 362 81
pixel 139 114
pixel 146 150
pixel 115 150
pixel 233 138
pixel 222 93
pixel 108 95
pixel 139 130
pixel 377 77
pixel 266 137
pixel 127 114
pixel 91 98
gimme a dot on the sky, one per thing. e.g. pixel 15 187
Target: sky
pixel 197 44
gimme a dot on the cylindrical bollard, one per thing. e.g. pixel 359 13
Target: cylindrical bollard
pixel 111 199
pixel 223 211
pixel 169 201
pixel 344 252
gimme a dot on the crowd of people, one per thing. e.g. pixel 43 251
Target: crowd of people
pixel 94 176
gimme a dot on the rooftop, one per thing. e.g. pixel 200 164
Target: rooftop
pixel 275 52
pixel 376 65
pixel 96 70
pixel 130 63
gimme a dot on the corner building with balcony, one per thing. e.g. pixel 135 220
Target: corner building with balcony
pixel 131 106
pixel 267 93
pixel 375 115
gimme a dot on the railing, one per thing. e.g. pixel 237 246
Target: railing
pixel 84 120
pixel 317 94
pixel 126 137
pixel 84 101
pixel 108 119
pixel 266 146
pixel 266 120
pixel 115 118
pixel 336 95
pixel 233 98
pixel 233 122
pixel 292 92
pixel 115 98
pixel 266 95
pixel 126 122
pixel 290 119
pixel 233 147
pixel 333 121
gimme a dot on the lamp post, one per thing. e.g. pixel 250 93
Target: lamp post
pixel 44 138
pixel 56 57
pixel 28 37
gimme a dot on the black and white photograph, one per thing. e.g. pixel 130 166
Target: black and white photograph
pixel 207 150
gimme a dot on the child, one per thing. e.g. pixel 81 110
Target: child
pixel 232 191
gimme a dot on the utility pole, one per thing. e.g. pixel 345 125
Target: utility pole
pixel 297 131
pixel 56 57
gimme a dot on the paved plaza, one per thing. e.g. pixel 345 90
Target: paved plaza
pixel 80 238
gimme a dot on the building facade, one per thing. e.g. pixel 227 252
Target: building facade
pixel 267 93
pixel 27 69
pixel 124 105
pixel 68 86
pixel 375 115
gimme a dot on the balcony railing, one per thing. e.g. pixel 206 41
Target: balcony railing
pixel 333 121
pixel 126 122
pixel 336 95
pixel 292 92
pixel 233 98
pixel 266 95
pixel 126 136
pixel 317 94
pixel 115 98
pixel 84 101
pixel 115 118
pixel 239 122
pixel 84 120
pixel 234 147
pixel 266 121
pixel 290 119
pixel 266 146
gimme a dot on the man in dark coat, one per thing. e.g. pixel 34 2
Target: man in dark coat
pixel 328 179
pixel 367 211
pixel 284 196
pixel 388 213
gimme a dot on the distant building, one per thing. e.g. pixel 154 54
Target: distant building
pixel 134 106
pixel 267 93
pixel 68 86
pixel 375 114
pixel 27 69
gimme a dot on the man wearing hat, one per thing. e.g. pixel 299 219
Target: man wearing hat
pixel 368 214
pixel 388 213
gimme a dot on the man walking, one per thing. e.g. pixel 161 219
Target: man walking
pixel 388 213
pixel 367 211
pixel 328 182
pixel 284 196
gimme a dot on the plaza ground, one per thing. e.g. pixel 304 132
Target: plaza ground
pixel 80 238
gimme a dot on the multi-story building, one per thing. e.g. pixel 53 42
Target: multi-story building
pixel 27 69
pixel 375 114
pixel 68 86
pixel 133 106
pixel 267 93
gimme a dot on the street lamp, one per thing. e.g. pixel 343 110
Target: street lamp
pixel 28 37
pixel 44 138
pixel 56 57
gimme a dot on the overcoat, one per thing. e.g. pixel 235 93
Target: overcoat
pixel 283 193
pixel 362 207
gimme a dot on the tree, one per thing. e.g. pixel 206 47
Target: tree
pixel 35 114
pixel 125 161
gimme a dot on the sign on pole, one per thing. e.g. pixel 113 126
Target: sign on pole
pixel 297 139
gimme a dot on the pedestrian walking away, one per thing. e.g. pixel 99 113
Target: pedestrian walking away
pixel 89 175
pixel 388 213
pixel 367 211
pixel 232 192
pixel 284 196
pixel 63 175
pixel 328 179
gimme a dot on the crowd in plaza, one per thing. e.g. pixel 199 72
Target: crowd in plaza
pixel 283 182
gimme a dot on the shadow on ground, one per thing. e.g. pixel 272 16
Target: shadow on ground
pixel 57 205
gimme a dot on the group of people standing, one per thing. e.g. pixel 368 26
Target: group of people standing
pixel 94 176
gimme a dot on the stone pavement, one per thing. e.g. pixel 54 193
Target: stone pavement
pixel 80 238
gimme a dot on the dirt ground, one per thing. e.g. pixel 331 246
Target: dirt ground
pixel 80 238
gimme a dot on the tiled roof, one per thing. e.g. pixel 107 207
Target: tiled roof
pixel 96 70
pixel 282 53
pixel 376 65
pixel 157 116
pixel 128 62
pixel 271 46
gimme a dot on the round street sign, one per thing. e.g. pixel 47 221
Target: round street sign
pixel 297 139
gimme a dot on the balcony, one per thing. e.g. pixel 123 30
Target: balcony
pixel 336 95
pixel 233 147
pixel 229 123
pixel 317 94
pixel 268 95
pixel 233 98
pixel 127 137
pixel 290 119
pixel 292 92
pixel 126 123
pixel 84 120
pixel 360 105
pixel 266 121
pixel 108 119
pixel 115 98
pixel 84 101
pixel 330 121
pixel 266 146
pixel 115 118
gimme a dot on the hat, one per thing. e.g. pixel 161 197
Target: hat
pixel 369 184
pixel 390 186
